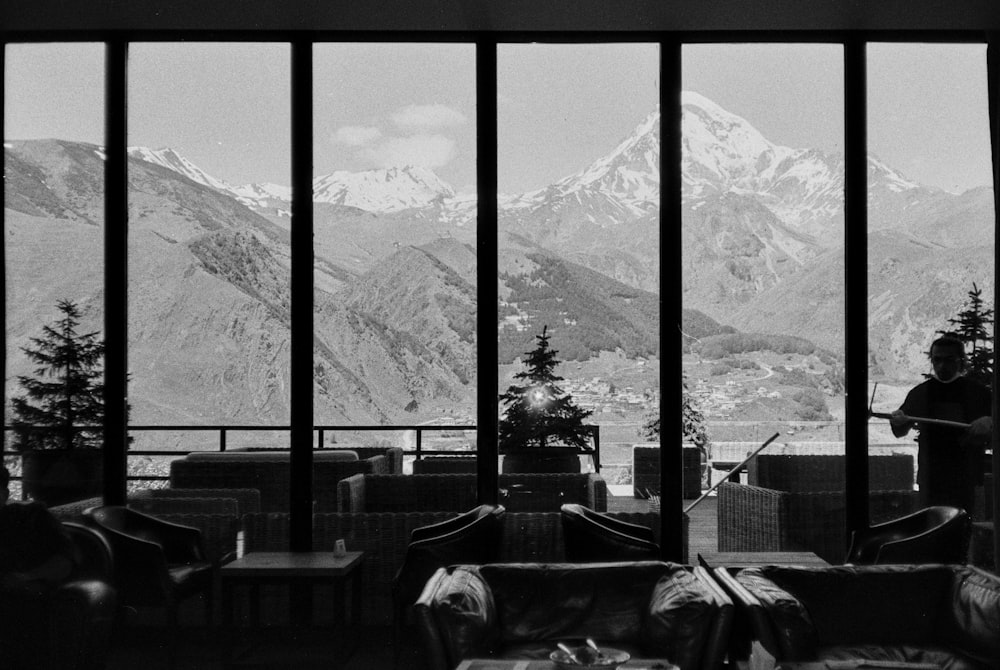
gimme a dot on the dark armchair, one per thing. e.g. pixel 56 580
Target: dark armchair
pixel 592 537
pixel 471 537
pixel 944 615
pixel 67 627
pixel 937 534
pixel 157 563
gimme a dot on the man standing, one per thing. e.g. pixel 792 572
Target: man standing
pixel 950 460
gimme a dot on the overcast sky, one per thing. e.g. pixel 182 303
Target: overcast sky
pixel 225 106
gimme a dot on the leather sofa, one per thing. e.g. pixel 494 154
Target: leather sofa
pixel 947 615
pixel 520 611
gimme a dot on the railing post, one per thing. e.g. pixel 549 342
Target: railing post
pixel 222 439
pixel 420 441
pixel 319 440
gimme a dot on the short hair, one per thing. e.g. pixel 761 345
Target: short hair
pixel 951 342
pixel 4 477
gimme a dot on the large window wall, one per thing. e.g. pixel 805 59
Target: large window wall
pixel 931 223
pixel 347 276
pixel 53 235
pixel 395 269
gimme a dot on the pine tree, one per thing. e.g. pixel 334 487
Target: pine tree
pixel 67 391
pixel 971 327
pixel 692 420
pixel 538 412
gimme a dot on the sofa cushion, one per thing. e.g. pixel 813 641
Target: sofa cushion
pixel 791 624
pixel 464 608
pixel 934 656
pixel 895 604
pixel 679 618
pixel 606 601
pixel 975 614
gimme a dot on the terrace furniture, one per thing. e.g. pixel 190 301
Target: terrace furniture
pixel 936 534
pixel 521 611
pixel 592 537
pixel 157 563
pixel 393 455
pixel 385 536
pixel 646 470
pixel 939 614
pixel 520 492
pixel 472 537
pixel 70 626
pixel 269 473
pixel 796 503
pixel 444 465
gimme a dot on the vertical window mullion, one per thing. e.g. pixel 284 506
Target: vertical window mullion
pixel 301 382
pixel 671 368
pixel 487 346
pixel 116 273
pixel 856 284
pixel 993 82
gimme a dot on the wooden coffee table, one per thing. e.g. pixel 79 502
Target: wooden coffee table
pixel 256 569
pixel 749 559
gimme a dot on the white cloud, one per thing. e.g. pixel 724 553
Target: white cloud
pixel 418 117
pixel 423 150
pixel 356 136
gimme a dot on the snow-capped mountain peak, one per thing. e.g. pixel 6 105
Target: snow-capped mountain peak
pixel 383 190
pixel 171 160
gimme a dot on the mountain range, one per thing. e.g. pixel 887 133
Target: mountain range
pixel 395 268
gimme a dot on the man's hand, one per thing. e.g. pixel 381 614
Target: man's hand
pixel 900 423
pixel 981 427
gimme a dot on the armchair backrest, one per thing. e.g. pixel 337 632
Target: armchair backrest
pixel 937 534
pixel 592 537
pixel 93 556
pixel 809 473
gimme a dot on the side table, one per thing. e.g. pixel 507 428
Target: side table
pixel 256 569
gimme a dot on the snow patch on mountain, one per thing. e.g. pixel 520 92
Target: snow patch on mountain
pixel 385 190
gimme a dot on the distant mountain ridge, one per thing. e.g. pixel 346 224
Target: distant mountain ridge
pixel 395 267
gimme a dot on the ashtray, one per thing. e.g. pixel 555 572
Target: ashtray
pixel 588 658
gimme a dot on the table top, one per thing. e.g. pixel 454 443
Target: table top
pixel 292 564
pixel 507 664
pixel 748 559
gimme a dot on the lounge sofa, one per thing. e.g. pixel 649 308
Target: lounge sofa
pixel 520 611
pixel 945 615
pixel 528 492
pixel 269 473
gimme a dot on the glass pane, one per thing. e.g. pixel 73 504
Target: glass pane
pixel 208 248
pixel 930 268
pixel 394 196
pixel 53 236
pixel 578 242
pixel 764 289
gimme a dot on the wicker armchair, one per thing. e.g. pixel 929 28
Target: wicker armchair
pixel 808 513
pixel 646 470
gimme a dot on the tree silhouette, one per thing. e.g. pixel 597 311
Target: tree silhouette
pixel 692 420
pixel 538 412
pixel 67 391
pixel 970 326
